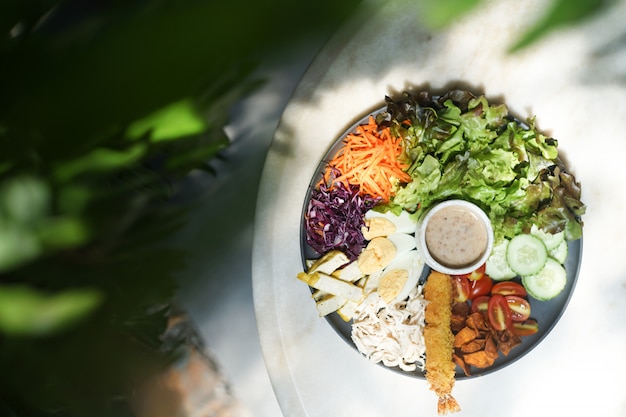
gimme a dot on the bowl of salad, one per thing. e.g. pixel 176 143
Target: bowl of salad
pixel 365 218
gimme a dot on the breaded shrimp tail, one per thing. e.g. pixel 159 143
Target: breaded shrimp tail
pixel 439 340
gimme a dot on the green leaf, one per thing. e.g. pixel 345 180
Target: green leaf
pixel 72 198
pixel 17 245
pixel 511 171
pixel 175 120
pixel 24 199
pixel 63 232
pixel 440 13
pixel 560 14
pixel 100 159
pixel 25 311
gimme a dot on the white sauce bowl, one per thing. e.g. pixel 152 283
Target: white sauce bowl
pixel 455 237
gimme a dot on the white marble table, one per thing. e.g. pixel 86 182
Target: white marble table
pixel 576 85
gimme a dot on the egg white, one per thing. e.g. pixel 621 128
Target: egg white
pixel 403 242
pixel 404 222
pixel 412 262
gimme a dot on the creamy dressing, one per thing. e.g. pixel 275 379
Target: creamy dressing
pixel 456 237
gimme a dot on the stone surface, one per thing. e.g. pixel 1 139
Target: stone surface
pixel 573 81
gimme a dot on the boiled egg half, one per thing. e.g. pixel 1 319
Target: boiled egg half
pixel 400 277
pixel 403 223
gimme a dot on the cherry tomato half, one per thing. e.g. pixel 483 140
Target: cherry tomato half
pixel 526 328
pixel 480 287
pixel 461 288
pixel 480 304
pixel 477 274
pixel 520 308
pixel 509 288
pixel 499 313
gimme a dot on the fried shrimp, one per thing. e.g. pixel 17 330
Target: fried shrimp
pixel 439 340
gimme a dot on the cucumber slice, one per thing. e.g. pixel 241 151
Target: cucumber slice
pixel 560 252
pixel 526 254
pixel 547 283
pixel 551 240
pixel 497 266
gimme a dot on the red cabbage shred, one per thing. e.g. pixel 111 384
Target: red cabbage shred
pixel 334 218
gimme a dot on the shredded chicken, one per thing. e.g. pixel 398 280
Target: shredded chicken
pixel 391 333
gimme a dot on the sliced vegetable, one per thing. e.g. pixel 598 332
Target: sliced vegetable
pixel 497 267
pixel 480 287
pixel 551 240
pixel 526 254
pixel 527 328
pixel 498 313
pixel 480 304
pixel 547 283
pixel 461 289
pixel 334 218
pixel 508 288
pixel 370 160
pixel 520 308
pixel 476 274
pixel 560 252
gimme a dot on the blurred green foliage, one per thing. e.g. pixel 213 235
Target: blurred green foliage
pixel 438 14
pixel 25 310
pixel 560 13
pixel 104 106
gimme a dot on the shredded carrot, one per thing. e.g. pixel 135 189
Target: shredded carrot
pixel 369 159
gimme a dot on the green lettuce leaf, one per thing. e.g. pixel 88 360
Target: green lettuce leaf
pixel 460 146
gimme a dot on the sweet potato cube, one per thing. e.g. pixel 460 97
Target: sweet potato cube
pixel 507 341
pixel 491 348
pixel 458 359
pixel 473 346
pixel 464 336
pixel 457 323
pixel 477 321
pixel 480 359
